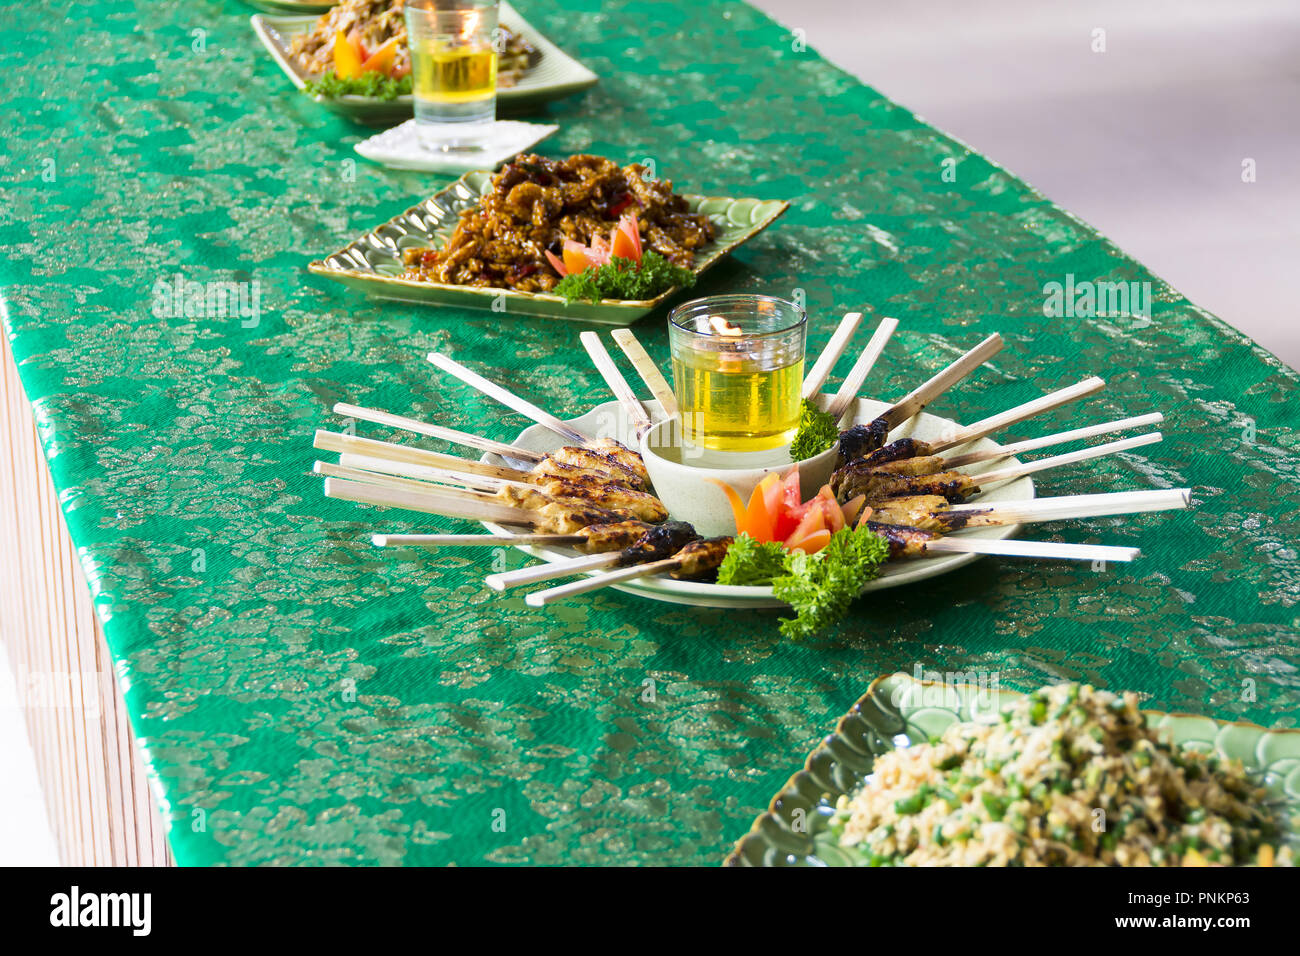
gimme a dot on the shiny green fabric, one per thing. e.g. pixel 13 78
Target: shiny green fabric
pixel 305 698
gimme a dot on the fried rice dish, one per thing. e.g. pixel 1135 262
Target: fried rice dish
pixel 535 204
pixel 1066 776
pixel 375 22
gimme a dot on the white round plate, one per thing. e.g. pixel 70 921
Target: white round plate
pixel 607 421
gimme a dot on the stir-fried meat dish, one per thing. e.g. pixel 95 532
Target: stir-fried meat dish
pixel 378 21
pixel 536 203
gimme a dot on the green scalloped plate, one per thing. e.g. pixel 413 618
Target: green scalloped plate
pixel 898 710
pixel 373 263
pixel 553 77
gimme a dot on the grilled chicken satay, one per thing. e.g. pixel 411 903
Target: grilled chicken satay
pixel 622 501
pixel 573 461
pixel 904 541
pixel 556 517
pixel 640 503
pixel 659 542
pixel 952 485
pixel 625 456
pixel 894 451
pixel 700 559
pixel 861 440
pixel 603 538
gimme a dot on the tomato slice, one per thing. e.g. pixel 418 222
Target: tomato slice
pixel 831 508
pixel 812 543
pixel 557 262
pixel 575 257
pixel 737 506
pixel 851 508
pixel 814 519
pixel 381 61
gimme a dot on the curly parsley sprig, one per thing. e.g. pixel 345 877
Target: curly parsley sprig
pixel 623 279
pixel 373 84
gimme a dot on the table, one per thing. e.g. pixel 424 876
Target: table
pixel 298 697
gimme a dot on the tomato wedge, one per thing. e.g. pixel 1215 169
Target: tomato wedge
pixel 575 256
pixel 737 507
pixel 812 543
pixel 814 519
pixel 557 262
pixel 791 509
pixel 851 508
pixel 381 61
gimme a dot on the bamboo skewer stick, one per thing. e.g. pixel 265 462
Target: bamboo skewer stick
pixel 1055 461
pixel 396 482
pixel 1011 416
pixel 649 372
pixel 821 370
pixel 604 362
pixel 437 431
pixel 1067 507
pixel 390 451
pixel 552 570
pixel 1014 548
pixel 925 393
pixel 1060 438
pixel 542 598
pixel 471 540
pixel 440 476
pixel 428 502
pixel 848 391
pixel 509 399
pixel 939 545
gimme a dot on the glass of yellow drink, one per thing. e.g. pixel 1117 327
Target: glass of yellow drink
pixel 453 70
pixel 738 371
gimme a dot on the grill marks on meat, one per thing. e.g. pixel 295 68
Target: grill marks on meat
pixel 536 203
pixel 617 463
pixel 860 440
pixel 700 559
pixel 603 538
pixel 952 485
pixel 661 541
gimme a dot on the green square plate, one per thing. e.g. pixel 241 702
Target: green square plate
pixel 556 74
pixel 373 263
pixel 898 710
pixel 299 7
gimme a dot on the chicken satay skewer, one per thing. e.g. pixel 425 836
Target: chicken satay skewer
pixel 822 368
pixel 957 486
pixel 935 513
pixel 857 443
pixel 915 543
pixel 860 440
pixel 697 558
pixel 657 542
pixel 638 417
pixel 933 464
pixel 649 372
pixel 437 431
pixel 852 384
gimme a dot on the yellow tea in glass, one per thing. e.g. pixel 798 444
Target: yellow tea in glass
pixel 453 69
pixel 738 371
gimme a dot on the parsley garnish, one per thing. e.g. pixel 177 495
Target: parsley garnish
pixel 817 432
pixel 750 562
pixel 373 84
pixel 818 586
pixel 624 279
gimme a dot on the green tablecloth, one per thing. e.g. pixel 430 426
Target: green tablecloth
pixel 319 701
